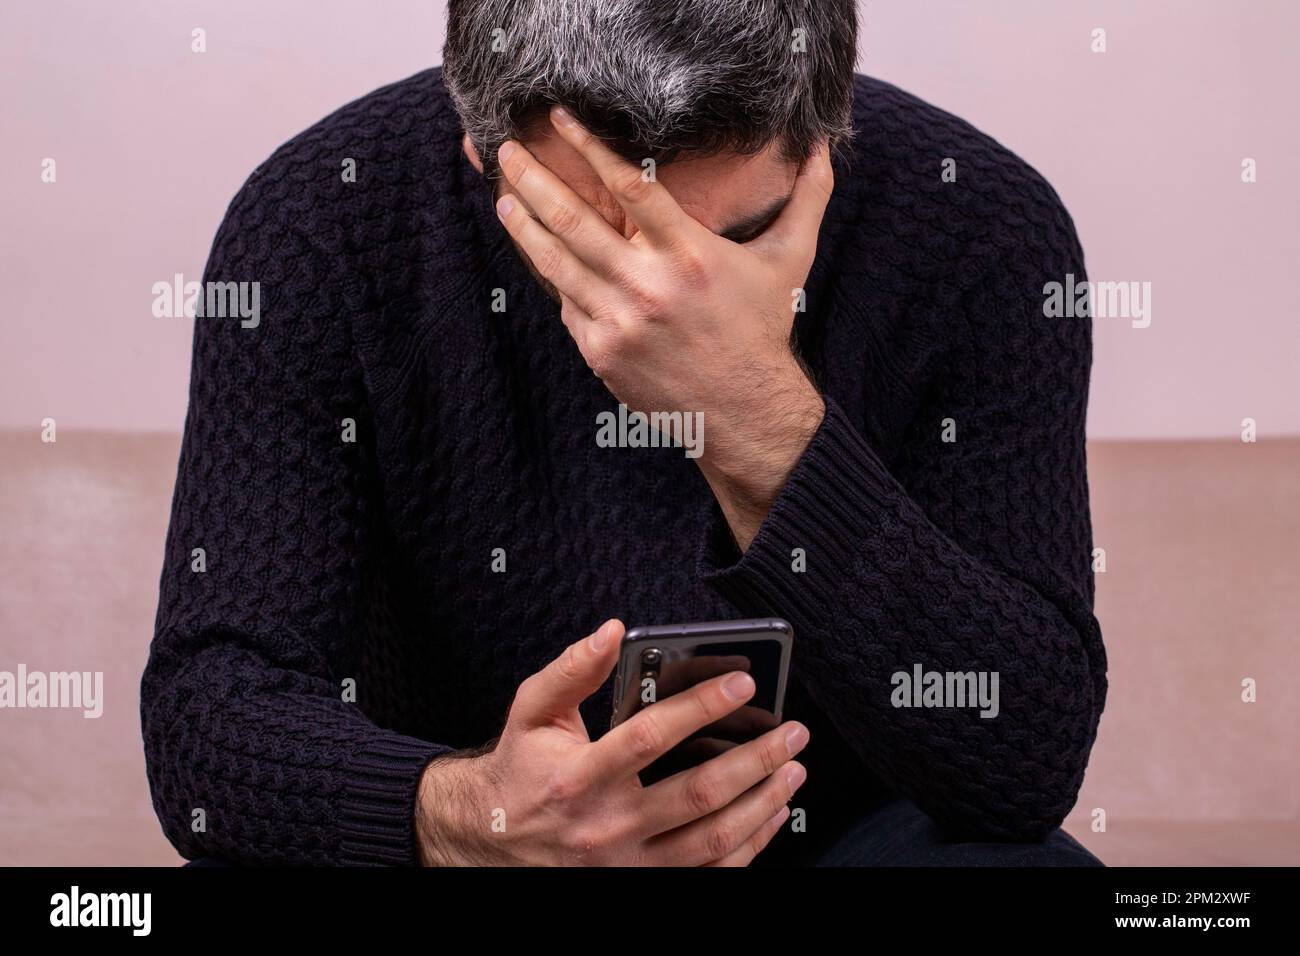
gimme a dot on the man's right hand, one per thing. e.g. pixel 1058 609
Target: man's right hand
pixel 557 798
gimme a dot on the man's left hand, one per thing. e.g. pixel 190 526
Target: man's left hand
pixel 678 318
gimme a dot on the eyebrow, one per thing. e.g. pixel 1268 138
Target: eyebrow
pixel 747 228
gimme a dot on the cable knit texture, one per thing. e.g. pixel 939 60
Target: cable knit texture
pixel 329 564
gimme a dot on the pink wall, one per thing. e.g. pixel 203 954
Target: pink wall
pixel 1144 143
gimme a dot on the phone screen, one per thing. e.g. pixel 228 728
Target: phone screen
pixel 671 666
pixel 761 658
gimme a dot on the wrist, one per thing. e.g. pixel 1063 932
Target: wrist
pixel 763 442
pixel 442 810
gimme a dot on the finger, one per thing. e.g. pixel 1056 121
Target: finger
pixel 565 214
pixel 578 322
pixel 641 740
pixel 690 672
pixel 744 855
pixel 550 257
pixel 698 750
pixel 742 725
pixel 684 756
pixel 695 794
pixel 558 689
pixel 646 202
pixel 718 835
pixel 800 221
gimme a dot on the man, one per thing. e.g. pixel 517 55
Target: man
pixel 407 521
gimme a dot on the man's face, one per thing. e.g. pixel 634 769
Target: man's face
pixel 732 195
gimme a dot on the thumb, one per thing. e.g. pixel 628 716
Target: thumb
pixel 557 690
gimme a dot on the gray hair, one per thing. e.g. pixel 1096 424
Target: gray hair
pixel 656 78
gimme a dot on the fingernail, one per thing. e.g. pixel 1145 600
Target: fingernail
pixel 778 818
pixel 796 738
pixel 505 206
pixel 795 776
pixel 601 637
pixel 738 686
pixel 504 152
pixel 562 116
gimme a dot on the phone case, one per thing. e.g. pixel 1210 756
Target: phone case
pixel 766 644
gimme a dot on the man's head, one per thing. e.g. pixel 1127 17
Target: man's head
pixel 726 96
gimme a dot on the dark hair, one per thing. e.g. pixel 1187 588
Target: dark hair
pixel 656 77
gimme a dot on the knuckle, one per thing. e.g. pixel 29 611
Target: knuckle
pixel 702 794
pixel 777 798
pixel 772 756
pixel 564 219
pixel 690 265
pixel 631 186
pixel 720 839
pixel 517 169
pixel 647 737
pixel 754 845
pixel 586 841
pixel 620 830
pixel 548 260
pixel 562 787
pixel 649 302
pixel 582 137
pixel 526 690
pixel 630 334
pixel 610 352
pixel 711 706
pixel 567 664
pixel 600 357
pixel 570 312
pixel 625 271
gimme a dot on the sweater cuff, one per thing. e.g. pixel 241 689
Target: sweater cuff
pixel 835 489
pixel 377 812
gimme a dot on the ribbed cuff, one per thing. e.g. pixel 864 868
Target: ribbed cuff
pixel 378 808
pixel 838 488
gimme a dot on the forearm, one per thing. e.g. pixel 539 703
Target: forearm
pixel 880 590
pixel 256 763
pixel 755 447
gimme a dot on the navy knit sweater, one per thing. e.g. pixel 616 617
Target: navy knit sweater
pixel 347 624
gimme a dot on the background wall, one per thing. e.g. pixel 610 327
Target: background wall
pixel 1144 142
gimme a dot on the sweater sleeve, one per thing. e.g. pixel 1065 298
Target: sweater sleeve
pixel 966 554
pixel 256 750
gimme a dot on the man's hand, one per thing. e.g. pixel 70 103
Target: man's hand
pixel 558 798
pixel 680 319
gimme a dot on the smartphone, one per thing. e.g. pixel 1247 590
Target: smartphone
pixel 665 659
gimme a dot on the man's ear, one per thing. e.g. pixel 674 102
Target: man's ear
pixel 471 153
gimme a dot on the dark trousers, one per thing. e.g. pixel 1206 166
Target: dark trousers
pixel 898 834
